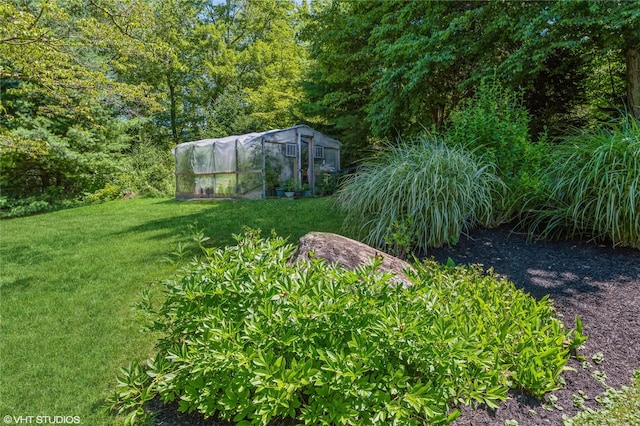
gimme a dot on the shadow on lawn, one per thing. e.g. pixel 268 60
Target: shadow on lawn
pixel 220 219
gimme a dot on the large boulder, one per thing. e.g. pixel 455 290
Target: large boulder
pixel 349 254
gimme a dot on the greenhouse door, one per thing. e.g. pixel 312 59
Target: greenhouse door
pixel 306 170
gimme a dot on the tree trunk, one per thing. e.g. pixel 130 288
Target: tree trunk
pixel 632 56
pixel 172 110
pixel 437 116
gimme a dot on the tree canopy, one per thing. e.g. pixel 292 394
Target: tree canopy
pixel 85 84
pixel 407 64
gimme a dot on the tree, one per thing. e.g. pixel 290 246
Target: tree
pixel 220 68
pixel 254 60
pixel 419 59
pixel 590 28
pixel 339 83
pixel 45 48
pixel 155 44
pixel 404 64
pixel 85 84
pixel 58 133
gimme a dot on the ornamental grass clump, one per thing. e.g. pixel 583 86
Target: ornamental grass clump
pixel 434 190
pixel 249 337
pixel 592 188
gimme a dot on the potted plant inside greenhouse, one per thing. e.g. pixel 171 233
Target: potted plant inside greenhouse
pixel 271 178
pixel 306 190
pixel 290 188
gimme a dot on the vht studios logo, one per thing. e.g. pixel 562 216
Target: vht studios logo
pixel 41 420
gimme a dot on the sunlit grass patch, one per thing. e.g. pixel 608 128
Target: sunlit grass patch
pixel 70 279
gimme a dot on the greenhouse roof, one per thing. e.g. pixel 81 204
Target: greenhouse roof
pixel 276 135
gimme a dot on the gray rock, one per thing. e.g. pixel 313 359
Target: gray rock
pixel 349 254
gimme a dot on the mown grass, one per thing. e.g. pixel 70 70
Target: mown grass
pixel 69 281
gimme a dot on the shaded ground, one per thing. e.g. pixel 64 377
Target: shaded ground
pixel 597 283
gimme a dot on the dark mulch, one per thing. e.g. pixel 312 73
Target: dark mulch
pixel 598 283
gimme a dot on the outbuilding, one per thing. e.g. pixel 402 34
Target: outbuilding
pixel 255 164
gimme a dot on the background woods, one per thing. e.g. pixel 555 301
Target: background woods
pixel 90 90
pixel 94 93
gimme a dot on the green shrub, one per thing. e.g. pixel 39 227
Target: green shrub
pixel 495 123
pixel 248 337
pixel 108 193
pixel 327 183
pixel 592 188
pixel 435 189
pixel 147 170
pixel 23 207
pixel 45 157
pixel 27 206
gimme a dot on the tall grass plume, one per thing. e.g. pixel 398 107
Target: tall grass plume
pixel 592 188
pixel 437 191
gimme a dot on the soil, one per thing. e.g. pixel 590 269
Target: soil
pixel 598 283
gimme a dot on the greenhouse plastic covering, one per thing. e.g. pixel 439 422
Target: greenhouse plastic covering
pixel 254 164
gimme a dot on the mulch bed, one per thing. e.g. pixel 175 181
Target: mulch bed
pixel 598 283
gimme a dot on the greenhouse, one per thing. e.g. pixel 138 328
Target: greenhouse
pixel 254 165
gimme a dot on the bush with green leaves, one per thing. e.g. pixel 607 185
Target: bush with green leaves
pixel 43 156
pixel 249 337
pixel 50 164
pixel 22 207
pixel 592 188
pixel 434 190
pixel 27 206
pixel 495 123
pixel 147 170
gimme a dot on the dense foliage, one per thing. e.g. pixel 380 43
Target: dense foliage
pixel 592 188
pixel 494 123
pixel 247 336
pixel 86 89
pixel 432 190
pixel 84 86
pixel 94 94
pixel 402 66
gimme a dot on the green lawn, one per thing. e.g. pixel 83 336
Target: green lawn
pixel 69 280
